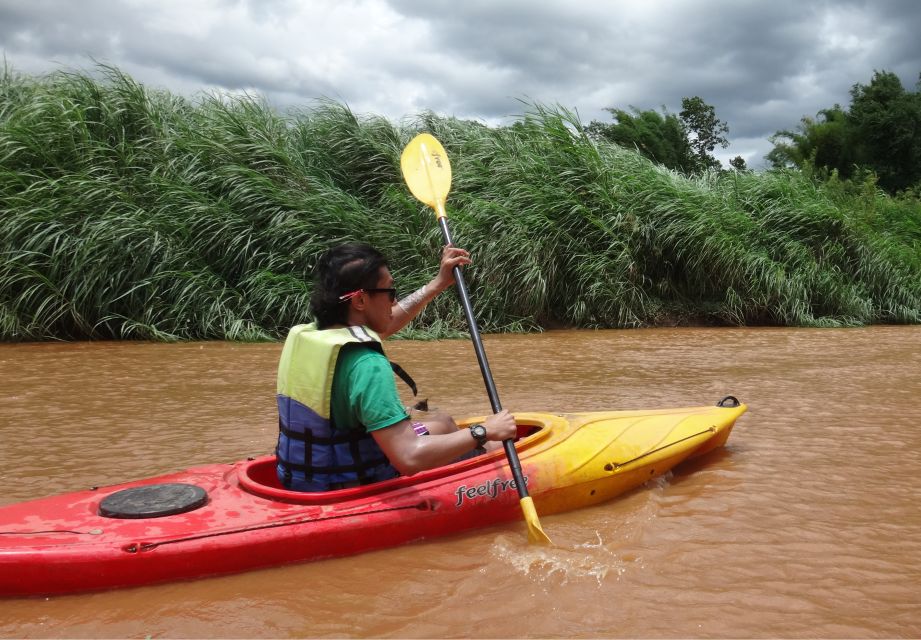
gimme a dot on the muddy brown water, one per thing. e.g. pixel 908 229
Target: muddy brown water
pixel 806 525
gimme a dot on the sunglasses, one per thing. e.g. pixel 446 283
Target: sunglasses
pixel 391 293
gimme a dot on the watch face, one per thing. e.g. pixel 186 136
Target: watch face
pixel 478 431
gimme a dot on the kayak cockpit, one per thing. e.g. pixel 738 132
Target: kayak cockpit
pixel 258 476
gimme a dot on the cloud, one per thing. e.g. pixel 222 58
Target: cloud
pixel 762 65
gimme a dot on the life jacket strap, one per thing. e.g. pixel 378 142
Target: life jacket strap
pixel 353 438
pixel 405 377
pixel 353 435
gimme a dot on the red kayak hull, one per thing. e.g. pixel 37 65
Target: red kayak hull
pixel 62 544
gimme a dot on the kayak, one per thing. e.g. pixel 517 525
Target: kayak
pixel 227 518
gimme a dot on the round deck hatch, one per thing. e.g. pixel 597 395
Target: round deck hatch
pixel 153 501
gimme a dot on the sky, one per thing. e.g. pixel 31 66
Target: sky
pixel 763 65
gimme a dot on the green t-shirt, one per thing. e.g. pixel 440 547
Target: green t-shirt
pixel 364 392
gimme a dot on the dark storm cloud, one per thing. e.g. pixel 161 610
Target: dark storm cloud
pixel 711 44
pixel 763 65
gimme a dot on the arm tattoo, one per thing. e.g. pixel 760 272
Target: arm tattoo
pixel 413 300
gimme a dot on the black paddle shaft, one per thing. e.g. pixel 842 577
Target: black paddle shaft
pixel 509 444
pixel 471 324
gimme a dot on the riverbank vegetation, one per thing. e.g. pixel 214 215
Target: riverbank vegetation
pixel 137 214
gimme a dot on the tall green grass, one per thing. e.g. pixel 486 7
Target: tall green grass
pixel 132 213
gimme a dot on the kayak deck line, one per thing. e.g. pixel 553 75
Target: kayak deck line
pixel 616 466
pixel 641 422
pixel 68 543
pixel 425 505
pixel 91 532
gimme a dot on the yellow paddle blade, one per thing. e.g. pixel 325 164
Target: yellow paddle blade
pixel 536 535
pixel 427 171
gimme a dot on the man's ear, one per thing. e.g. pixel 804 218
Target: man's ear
pixel 359 302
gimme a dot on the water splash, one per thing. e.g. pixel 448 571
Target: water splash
pixel 586 561
pixel 612 552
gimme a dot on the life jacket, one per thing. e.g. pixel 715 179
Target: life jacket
pixel 311 455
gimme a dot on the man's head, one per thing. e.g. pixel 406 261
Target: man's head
pixel 348 281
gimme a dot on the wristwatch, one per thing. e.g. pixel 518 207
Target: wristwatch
pixel 478 432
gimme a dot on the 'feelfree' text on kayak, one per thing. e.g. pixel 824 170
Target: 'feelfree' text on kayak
pixel 489 489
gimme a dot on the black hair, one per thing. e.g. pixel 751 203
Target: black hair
pixel 340 270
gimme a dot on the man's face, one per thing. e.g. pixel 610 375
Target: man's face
pixel 378 307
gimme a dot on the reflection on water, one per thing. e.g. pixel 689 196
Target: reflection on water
pixel 806 525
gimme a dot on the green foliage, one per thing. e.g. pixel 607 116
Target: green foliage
pixel 879 133
pixel 886 121
pixel 130 213
pixel 824 143
pixel 738 163
pixel 683 143
pixel 706 131
pixel 661 137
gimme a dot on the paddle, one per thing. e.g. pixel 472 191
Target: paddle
pixel 427 172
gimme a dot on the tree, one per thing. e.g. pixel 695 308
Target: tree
pixel 658 136
pixel 886 124
pixel 823 142
pixel 738 163
pixel 682 143
pixel 879 133
pixel 707 130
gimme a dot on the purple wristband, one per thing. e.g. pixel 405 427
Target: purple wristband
pixel 420 429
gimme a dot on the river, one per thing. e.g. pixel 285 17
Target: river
pixel 806 525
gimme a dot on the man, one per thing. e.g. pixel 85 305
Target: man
pixel 341 422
